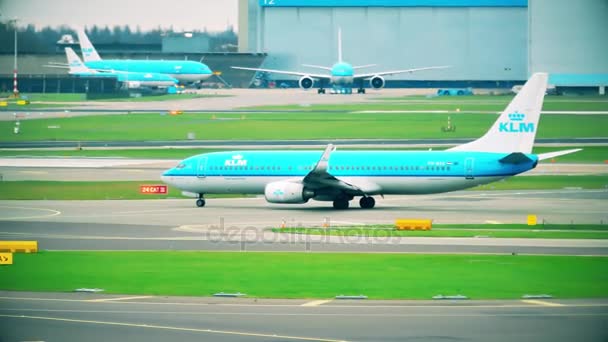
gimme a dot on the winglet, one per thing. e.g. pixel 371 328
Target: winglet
pixel 323 162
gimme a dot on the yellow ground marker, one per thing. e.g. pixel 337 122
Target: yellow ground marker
pixel 317 302
pixel 541 302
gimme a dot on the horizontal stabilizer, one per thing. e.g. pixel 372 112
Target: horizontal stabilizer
pixel 550 155
pixel 515 158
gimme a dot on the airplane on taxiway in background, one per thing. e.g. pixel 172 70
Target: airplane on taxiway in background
pixel 186 72
pixel 342 74
pixel 339 176
pixel 130 79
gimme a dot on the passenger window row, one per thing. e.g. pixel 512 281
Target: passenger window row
pixel 336 168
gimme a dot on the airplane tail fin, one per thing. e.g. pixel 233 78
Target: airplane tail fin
pixel 515 129
pixel 74 63
pixel 339 44
pixel 89 53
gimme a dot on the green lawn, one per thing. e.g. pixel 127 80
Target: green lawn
pixel 286 126
pixel 447 230
pixel 467 103
pixel 589 154
pixel 309 275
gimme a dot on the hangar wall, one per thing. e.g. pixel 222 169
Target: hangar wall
pixel 569 39
pixel 480 39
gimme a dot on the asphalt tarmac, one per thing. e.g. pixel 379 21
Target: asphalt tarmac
pixel 95 317
pixel 243 224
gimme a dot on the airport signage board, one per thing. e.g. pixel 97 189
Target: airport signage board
pixel 153 189
pixel 6 258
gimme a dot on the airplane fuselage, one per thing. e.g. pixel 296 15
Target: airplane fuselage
pixel 376 172
pixel 342 74
pixel 184 71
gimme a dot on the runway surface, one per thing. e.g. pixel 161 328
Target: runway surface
pixel 243 224
pixel 94 317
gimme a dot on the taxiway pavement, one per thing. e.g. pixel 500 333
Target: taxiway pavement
pixel 243 224
pixel 95 317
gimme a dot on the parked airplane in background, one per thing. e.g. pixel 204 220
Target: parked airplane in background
pixel 295 177
pixel 184 71
pixel 130 79
pixel 341 75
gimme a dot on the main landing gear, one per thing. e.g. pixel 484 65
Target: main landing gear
pixel 200 202
pixel 321 91
pixel 361 91
pixel 365 202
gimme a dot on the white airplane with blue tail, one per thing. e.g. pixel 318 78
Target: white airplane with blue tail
pixel 128 78
pixel 340 176
pixel 342 74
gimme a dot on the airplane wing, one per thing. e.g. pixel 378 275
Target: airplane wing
pixel 294 73
pixel 320 179
pixel 394 72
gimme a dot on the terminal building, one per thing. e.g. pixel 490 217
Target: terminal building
pixel 487 43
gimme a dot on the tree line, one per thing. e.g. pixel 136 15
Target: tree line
pixel 30 40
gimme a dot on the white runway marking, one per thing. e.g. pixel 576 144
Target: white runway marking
pixel 117 299
pixel 52 213
pixel 163 327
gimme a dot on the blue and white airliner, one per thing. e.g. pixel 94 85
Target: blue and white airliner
pixel 131 80
pixel 339 176
pixel 184 71
pixel 341 74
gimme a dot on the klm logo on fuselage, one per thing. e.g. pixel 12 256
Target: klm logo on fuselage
pixel 516 124
pixel 237 160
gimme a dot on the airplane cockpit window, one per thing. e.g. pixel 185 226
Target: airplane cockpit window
pixel 180 166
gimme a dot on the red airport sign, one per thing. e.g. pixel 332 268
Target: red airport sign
pixel 153 189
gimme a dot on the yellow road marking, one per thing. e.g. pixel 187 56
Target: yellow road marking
pixel 149 326
pixel 317 302
pixel 541 302
pixel 118 299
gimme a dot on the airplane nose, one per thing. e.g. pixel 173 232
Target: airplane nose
pixel 165 178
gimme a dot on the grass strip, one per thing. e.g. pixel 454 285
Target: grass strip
pixel 209 126
pixel 51 190
pixel 536 232
pixel 306 275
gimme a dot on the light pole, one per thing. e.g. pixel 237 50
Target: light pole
pixel 15 88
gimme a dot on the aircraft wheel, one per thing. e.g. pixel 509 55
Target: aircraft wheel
pixel 341 204
pixel 367 202
pixel 200 202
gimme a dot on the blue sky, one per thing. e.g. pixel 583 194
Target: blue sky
pixel 215 15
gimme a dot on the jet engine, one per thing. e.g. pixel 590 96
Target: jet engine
pixel 287 192
pixel 305 82
pixel 377 82
pixel 133 84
